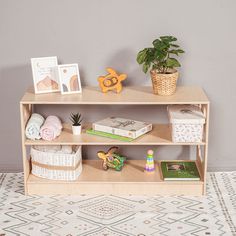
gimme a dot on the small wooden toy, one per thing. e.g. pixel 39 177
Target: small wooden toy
pixel 111 81
pixel 111 159
pixel 149 162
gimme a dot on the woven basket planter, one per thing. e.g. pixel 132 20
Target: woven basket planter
pixel 164 84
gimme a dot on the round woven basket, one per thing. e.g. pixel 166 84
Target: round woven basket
pixel 164 84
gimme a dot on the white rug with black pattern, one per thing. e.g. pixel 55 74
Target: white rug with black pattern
pixel 99 215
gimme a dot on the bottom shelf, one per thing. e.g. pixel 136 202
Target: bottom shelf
pixel 131 180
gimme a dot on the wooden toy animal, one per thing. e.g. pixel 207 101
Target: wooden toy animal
pixel 111 159
pixel 111 81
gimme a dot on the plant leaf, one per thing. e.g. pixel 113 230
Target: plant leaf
pixel 145 67
pixel 172 62
pixel 141 56
pixel 180 51
pixel 174 45
pixel 156 43
pixel 168 38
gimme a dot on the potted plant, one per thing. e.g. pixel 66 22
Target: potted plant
pixel 76 123
pixel 161 62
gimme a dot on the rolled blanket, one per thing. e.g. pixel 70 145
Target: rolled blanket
pixel 51 128
pixel 32 130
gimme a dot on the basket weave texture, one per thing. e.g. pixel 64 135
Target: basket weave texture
pixel 56 166
pixel 164 84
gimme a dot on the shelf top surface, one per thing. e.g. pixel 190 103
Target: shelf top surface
pixel 133 95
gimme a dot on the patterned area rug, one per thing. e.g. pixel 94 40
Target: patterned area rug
pixel 83 215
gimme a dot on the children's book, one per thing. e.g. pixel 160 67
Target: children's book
pixel 179 170
pixel 122 127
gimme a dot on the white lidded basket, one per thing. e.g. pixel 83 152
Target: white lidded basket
pixel 187 123
pixel 56 166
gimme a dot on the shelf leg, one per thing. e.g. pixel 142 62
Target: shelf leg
pixel 206 112
pixel 25 112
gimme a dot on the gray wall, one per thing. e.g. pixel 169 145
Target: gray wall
pixel 101 33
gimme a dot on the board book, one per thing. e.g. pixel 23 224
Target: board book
pixel 122 127
pixel 179 170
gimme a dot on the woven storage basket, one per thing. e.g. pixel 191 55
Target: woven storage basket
pixel 56 166
pixel 164 84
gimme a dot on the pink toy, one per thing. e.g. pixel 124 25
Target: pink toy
pixel 150 162
pixel 51 128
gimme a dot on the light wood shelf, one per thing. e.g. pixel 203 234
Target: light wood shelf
pixel 160 135
pixel 132 179
pixel 94 180
pixel 128 96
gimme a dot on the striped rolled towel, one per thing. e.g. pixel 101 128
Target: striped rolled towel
pixel 32 130
pixel 51 128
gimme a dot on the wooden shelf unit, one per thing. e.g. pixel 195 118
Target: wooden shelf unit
pixel 132 179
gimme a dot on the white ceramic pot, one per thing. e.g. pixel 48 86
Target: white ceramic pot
pixel 76 129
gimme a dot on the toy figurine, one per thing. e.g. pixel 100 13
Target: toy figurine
pixel 149 162
pixel 112 159
pixel 111 81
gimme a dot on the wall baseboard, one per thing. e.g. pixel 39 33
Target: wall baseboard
pixel 10 169
pixel 221 169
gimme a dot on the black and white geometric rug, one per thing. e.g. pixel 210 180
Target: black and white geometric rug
pixel 214 214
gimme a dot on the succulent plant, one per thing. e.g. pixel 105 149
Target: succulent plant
pixel 76 119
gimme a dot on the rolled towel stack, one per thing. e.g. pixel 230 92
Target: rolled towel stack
pixel 51 128
pixel 32 130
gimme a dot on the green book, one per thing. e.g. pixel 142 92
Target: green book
pixel 107 135
pixel 179 170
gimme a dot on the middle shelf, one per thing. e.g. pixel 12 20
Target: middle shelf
pixel 160 135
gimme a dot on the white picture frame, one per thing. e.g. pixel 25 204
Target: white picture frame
pixel 69 78
pixel 44 74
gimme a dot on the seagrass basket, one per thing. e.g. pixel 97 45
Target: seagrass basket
pixel 164 84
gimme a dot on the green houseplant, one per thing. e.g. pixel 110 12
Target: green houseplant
pixel 160 60
pixel 76 120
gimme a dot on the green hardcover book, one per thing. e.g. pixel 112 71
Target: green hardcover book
pixel 107 135
pixel 179 170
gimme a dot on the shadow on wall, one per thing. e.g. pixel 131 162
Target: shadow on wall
pixel 14 81
pixel 124 61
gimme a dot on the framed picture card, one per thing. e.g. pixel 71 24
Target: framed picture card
pixel 44 74
pixel 69 79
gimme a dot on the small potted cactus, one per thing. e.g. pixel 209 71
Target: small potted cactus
pixel 76 120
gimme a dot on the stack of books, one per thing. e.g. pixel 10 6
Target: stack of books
pixel 179 170
pixel 120 128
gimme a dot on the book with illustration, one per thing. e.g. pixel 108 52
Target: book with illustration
pixel 179 170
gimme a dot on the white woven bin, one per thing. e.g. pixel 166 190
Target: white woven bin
pixel 187 123
pixel 56 166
